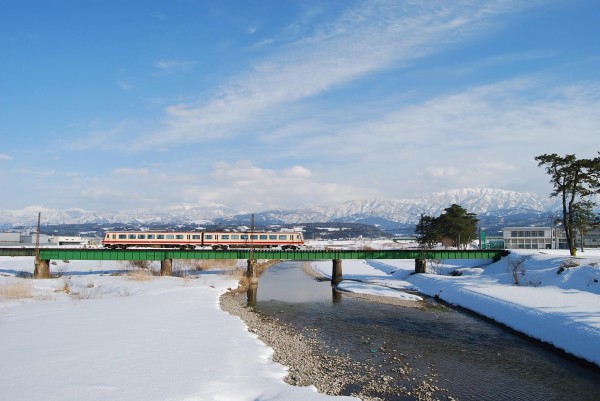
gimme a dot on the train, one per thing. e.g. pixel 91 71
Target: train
pixel 192 240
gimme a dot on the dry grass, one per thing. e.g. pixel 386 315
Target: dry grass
pixel 216 264
pixel 140 275
pixel 16 290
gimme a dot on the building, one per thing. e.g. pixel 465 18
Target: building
pixel 7 239
pixel 534 238
pixel 64 240
pixel 591 238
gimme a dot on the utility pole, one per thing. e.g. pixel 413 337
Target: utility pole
pixel 41 267
pixel 37 240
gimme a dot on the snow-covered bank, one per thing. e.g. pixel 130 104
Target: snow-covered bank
pixel 93 336
pixel 557 300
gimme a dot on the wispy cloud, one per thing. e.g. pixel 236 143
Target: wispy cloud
pixel 124 171
pixel 371 38
pixel 173 65
pixel 4 156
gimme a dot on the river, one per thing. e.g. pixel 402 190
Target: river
pixel 463 356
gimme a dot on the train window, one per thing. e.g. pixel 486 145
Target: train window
pixel 208 236
pixel 150 236
pixel 179 236
pixel 141 236
pixel 272 237
pixel 283 237
pixel 244 236
pixel 235 236
pixel 160 236
pixel 196 236
pixel 225 236
pixel 131 236
pixel 263 236
pixel 170 236
pixel 254 236
pixel 122 236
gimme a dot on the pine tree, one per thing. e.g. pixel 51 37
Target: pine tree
pixel 574 180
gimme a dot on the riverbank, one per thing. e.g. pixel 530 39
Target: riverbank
pixel 311 362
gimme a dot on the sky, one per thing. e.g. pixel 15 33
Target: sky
pixel 128 105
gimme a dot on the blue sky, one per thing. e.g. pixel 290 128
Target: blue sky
pixel 120 105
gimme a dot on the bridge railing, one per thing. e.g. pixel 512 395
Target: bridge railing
pixel 305 254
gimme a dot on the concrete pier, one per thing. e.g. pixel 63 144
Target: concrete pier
pixel 251 271
pixel 336 272
pixel 420 265
pixel 41 269
pixel 251 294
pixel 166 267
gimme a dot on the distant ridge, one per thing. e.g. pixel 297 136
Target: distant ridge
pixel 482 201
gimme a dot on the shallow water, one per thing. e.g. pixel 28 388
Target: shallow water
pixel 471 358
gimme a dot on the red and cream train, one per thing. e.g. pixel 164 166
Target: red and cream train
pixel 191 240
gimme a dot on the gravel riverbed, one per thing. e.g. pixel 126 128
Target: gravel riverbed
pixel 310 362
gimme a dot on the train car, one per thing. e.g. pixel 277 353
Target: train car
pixel 191 240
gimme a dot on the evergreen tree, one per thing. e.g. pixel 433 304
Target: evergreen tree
pixel 455 223
pixel 427 232
pixel 574 180
pixel 458 225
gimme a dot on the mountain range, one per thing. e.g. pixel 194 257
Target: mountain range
pixel 494 207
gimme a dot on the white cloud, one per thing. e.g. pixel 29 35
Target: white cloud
pixel 4 156
pixel 173 65
pixel 128 171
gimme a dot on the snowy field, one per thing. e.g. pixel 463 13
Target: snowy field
pixel 92 336
pixel 95 335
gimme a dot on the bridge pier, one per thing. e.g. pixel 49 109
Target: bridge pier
pixel 41 269
pixel 251 294
pixel 251 271
pixel 336 272
pixel 166 267
pixel 420 265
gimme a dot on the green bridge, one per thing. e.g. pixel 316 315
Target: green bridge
pixel 166 256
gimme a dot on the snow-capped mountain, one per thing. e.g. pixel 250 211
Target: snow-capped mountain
pixel 482 201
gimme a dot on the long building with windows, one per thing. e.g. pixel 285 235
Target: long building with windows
pixel 547 238
pixel 534 238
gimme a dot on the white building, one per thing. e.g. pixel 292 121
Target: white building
pixel 63 240
pixel 534 238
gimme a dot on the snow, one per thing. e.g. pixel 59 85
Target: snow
pixel 93 336
pixel 96 334
pixel 562 309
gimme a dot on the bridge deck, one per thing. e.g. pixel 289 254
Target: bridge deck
pixel 305 254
